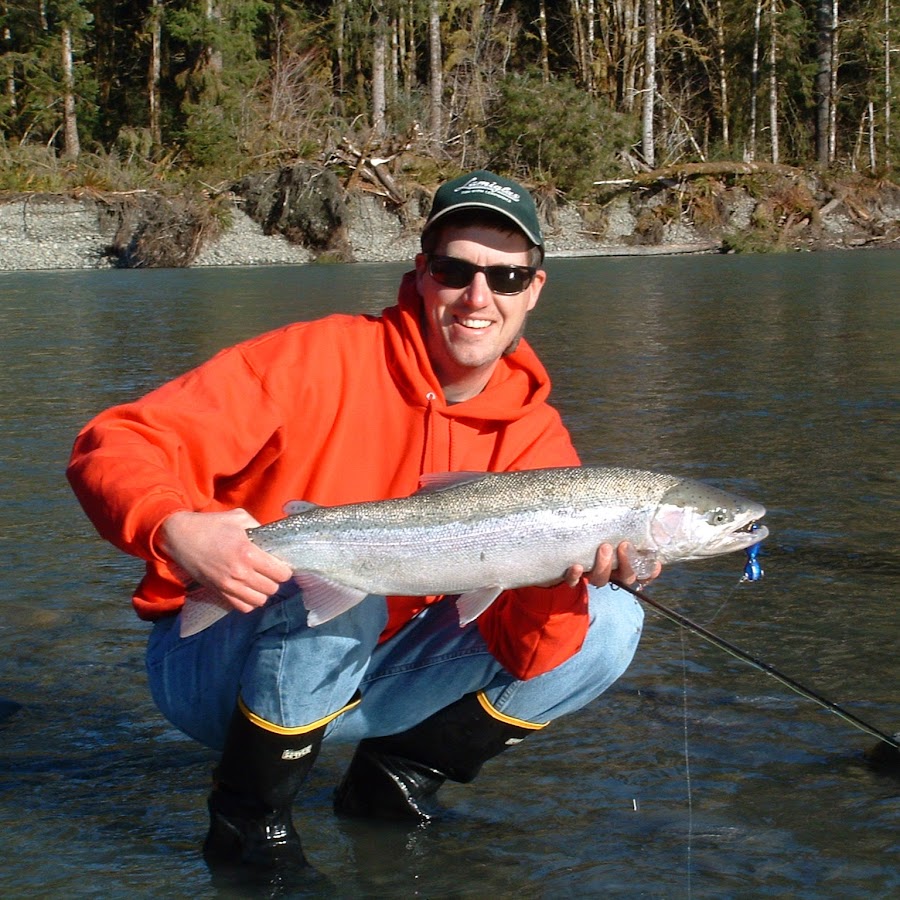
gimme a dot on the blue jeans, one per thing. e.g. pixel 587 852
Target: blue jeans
pixel 294 675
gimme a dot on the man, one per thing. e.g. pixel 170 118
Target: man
pixel 345 409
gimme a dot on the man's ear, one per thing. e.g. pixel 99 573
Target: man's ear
pixel 421 269
pixel 540 277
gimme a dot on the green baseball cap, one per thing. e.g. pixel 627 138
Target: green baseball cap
pixel 485 190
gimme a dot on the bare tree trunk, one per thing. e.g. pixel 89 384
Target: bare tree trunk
pixel 716 25
pixel 154 73
pixel 72 148
pixel 872 157
pixel 604 66
pixel 629 53
pixel 545 51
pixel 773 79
pixel 394 83
pixel 379 65
pixel 857 147
pixel 214 54
pixel 340 14
pixel 887 83
pixel 590 17
pixel 11 98
pixel 754 80
pixel 823 79
pixel 723 75
pixel 411 59
pixel 436 71
pixel 648 149
pixel 582 43
pixel 403 56
pixel 832 88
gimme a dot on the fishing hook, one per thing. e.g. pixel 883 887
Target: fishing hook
pixel 753 570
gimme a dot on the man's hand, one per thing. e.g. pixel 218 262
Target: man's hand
pixel 610 563
pixel 213 548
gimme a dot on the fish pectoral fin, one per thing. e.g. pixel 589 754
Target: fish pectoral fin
pixel 473 603
pixel 202 608
pixel 642 562
pixel 324 599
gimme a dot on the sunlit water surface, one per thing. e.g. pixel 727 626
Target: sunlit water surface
pixel 695 776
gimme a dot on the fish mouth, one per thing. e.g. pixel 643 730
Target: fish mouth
pixel 753 527
pixel 748 534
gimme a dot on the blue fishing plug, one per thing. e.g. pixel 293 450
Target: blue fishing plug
pixel 753 570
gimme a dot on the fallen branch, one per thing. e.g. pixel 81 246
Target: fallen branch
pixel 685 171
pixel 372 168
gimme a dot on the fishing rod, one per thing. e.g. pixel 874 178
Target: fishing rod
pixel 892 741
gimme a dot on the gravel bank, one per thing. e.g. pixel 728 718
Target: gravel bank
pixel 59 233
pixel 51 232
pixel 73 234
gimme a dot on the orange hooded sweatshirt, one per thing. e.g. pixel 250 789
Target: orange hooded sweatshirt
pixel 338 410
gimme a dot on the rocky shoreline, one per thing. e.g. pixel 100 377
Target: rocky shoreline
pixel 46 232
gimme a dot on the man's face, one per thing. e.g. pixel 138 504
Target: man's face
pixel 467 329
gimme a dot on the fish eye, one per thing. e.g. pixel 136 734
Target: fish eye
pixel 719 516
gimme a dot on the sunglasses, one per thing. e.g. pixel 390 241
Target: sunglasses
pixel 457 273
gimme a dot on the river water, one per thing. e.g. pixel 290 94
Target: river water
pixel 695 776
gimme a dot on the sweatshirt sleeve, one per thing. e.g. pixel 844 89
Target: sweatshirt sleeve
pixel 175 449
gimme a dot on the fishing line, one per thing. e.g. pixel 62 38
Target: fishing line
pixel 753 571
pixel 711 619
pixel 687 762
pixel 738 653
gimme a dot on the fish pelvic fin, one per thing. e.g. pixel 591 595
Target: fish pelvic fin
pixel 202 607
pixel 325 599
pixel 473 603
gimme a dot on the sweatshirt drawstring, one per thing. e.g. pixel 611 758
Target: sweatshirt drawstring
pixel 428 445
pixel 437 454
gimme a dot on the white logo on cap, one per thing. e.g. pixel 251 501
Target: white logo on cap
pixel 479 186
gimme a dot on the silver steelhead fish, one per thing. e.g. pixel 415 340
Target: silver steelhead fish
pixel 477 534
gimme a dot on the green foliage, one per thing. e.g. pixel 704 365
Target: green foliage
pixel 209 133
pixel 250 83
pixel 221 44
pixel 556 133
pixel 125 167
pixel 31 167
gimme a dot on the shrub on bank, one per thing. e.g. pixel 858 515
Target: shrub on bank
pixel 556 133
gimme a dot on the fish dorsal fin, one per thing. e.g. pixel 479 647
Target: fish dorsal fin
pixel 473 603
pixel 325 599
pixel 295 507
pixel 441 481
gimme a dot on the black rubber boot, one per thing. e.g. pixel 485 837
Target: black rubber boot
pixel 254 785
pixel 396 777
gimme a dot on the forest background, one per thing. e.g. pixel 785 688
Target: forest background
pixel 187 97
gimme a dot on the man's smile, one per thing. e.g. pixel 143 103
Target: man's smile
pixel 474 323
